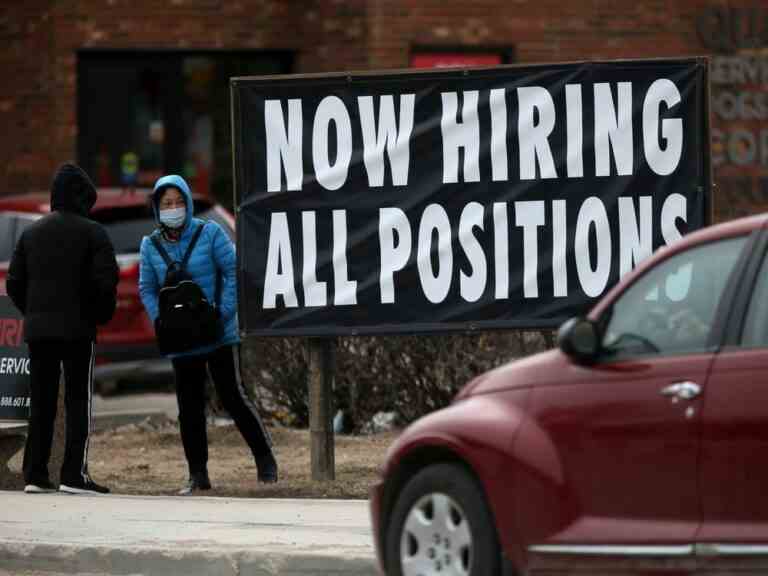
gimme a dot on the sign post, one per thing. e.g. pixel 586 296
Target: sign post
pixel 321 376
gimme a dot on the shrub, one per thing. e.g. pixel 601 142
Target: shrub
pixel 408 375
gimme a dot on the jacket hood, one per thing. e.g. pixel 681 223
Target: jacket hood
pixel 72 190
pixel 172 180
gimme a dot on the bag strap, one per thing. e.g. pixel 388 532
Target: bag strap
pixel 168 260
pixel 160 249
pixel 192 243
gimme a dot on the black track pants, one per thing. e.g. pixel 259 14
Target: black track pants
pixel 224 366
pixel 46 357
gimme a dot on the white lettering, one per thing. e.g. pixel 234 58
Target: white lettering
pixel 331 176
pixel 395 243
pixel 278 276
pixel 498 106
pixel 315 293
pixel 501 249
pixel 283 146
pixel 592 213
pixel 612 133
pixel 435 286
pixel 472 285
pixel 534 136
pixel 464 134
pixel 575 137
pixel 675 207
pixel 662 161
pixel 529 216
pixel 345 290
pixel 388 135
pixel 636 240
pixel 559 245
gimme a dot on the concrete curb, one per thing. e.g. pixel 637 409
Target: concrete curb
pixel 194 536
pixel 75 559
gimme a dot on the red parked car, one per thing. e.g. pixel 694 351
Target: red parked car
pixel 639 447
pixel 126 350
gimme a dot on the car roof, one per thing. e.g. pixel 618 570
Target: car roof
pixel 39 202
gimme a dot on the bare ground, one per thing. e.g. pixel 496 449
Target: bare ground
pixel 148 458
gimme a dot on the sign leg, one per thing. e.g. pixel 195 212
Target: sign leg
pixel 321 374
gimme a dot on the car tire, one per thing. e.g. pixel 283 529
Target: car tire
pixel 441 517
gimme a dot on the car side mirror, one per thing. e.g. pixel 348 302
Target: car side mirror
pixel 579 338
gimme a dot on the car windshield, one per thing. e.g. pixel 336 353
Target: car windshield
pixel 126 227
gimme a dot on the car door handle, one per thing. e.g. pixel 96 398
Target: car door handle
pixel 682 390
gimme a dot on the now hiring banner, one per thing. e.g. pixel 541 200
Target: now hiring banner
pixel 461 199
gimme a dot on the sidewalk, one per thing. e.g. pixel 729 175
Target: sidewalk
pixel 189 536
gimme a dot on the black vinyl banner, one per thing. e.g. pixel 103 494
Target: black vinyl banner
pixel 461 199
pixel 14 364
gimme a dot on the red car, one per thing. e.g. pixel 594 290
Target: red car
pixel 639 447
pixel 126 350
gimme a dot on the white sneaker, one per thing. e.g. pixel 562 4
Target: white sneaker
pixel 40 488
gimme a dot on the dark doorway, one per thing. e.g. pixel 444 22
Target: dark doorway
pixel 142 114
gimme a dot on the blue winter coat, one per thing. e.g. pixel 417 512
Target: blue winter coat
pixel 213 255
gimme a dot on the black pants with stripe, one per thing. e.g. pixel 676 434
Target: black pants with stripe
pixel 46 358
pixel 224 366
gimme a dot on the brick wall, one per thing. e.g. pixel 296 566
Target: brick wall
pixel 41 39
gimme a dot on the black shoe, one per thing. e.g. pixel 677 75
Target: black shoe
pixel 198 481
pixel 83 486
pixel 267 467
pixel 42 487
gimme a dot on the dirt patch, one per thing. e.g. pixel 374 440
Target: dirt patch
pixel 148 458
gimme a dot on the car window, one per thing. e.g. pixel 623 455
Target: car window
pixel 22 223
pixel 670 309
pixel 220 220
pixel 6 237
pixel 755 331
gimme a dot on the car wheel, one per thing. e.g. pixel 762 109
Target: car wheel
pixel 440 524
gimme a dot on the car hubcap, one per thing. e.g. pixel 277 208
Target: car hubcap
pixel 436 538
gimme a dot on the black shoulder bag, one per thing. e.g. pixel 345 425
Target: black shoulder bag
pixel 186 318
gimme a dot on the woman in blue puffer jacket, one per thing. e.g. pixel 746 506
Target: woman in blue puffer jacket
pixel 212 258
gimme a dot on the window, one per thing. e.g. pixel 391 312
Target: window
pixel 143 114
pixel 670 309
pixel 755 333
pixel 460 56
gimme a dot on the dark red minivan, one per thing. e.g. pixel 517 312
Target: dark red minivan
pixel 639 447
pixel 126 351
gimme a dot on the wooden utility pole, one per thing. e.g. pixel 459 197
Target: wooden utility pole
pixel 321 373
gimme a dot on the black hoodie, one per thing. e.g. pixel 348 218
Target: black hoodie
pixel 63 274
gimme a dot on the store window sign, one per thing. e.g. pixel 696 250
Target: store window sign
pixel 726 29
pixel 455 59
pixel 156 132
pixel 129 167
pixel 738 39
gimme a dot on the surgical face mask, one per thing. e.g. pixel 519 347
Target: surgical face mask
pixel 173 217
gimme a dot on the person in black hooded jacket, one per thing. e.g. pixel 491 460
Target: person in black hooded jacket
pixel 63 278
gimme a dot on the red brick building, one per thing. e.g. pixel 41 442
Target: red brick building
pixel 126 85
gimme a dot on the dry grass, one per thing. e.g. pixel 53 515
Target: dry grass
pixel 143 459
